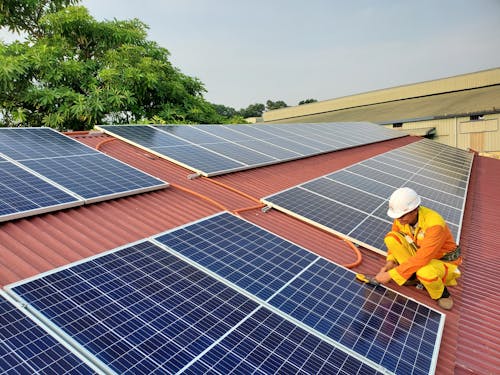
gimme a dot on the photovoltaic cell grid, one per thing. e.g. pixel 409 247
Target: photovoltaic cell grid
pixel 218 149
pixel 23 192
pixel 25 348
pixel 353 202
pixel 142 310
pixel 95 177
pixel 221 244
pixel 320 294
pixel 267 343
pixel 38 143
pixel 387 328
pixel 63 163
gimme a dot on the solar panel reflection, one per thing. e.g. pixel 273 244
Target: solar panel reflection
pixel 389 329
pixel 139 309
pixel 244 254
pixel 43 170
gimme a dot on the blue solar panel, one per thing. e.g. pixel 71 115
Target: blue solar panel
pixel 250 257
pixel 22 193
pixel 63 163
pixel 190 154
pixel 353 202
pixel 389 329
pixel 320 294
pixel 35 143
pixel 266 343
pixel 95 176
pixel 142 310
pixel 26 348
pixel 237 147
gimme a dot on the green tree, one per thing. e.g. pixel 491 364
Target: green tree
pixel 307 101
pixel 74 72
pixel 25 15
pixel 270 105
pixel 224 111
pixel 253 110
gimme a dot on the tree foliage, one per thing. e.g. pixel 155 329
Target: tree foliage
pixel 253 110
pixel 307 101
pixel 74 72
pixel 25 15
pixel 270 105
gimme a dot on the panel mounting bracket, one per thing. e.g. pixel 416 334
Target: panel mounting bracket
pixel 193 176
pixel 265 208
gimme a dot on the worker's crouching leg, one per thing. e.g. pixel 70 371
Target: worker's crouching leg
pixel 398 249
pixel 436 275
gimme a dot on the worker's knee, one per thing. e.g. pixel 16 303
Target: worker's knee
pixel 428 273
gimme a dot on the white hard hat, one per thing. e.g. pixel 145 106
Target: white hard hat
pixel 402 201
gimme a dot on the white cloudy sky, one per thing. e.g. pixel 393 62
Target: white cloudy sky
pixel 249 51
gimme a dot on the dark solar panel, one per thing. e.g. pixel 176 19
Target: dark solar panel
pixel 353 202
pixel 94 176
pixel 26 348
pixel 236 147
pixel 142 310
pixel 23 193
pixel 35 143
pixel 139 309
pixel 320 294
pixel 266 343
pixel 59 172
pixel 146 308
pixel 188 154
pixel 250 257
pixel 386 328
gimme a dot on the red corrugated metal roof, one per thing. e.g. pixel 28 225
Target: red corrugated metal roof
pixel 469 345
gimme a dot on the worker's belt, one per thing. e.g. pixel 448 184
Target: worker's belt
pixel 453 255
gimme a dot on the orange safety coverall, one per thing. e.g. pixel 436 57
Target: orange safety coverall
pixel 433 240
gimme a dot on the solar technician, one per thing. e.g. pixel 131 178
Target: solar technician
pixel 420 248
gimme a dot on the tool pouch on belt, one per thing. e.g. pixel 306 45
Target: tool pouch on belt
pixel 453 255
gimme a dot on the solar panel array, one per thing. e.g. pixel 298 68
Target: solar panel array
pixel 43 170
pixel 217 149
pixel 23 192
pixel 222 295
pixel 26 348
pixel 353 202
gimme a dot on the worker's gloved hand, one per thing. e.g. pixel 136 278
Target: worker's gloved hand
pixel 383 277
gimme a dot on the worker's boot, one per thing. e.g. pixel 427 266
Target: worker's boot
pixel 445 302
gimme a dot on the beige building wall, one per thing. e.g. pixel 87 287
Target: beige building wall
pixel 456 83
pixel 481 135
pixel 458 94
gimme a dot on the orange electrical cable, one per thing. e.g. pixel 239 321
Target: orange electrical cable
pixel 359 257
pixel 102 143
pixel 234 190
pixel 238 211
pixel 204 197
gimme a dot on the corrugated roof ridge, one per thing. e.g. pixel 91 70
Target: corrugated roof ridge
pixel 478 342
